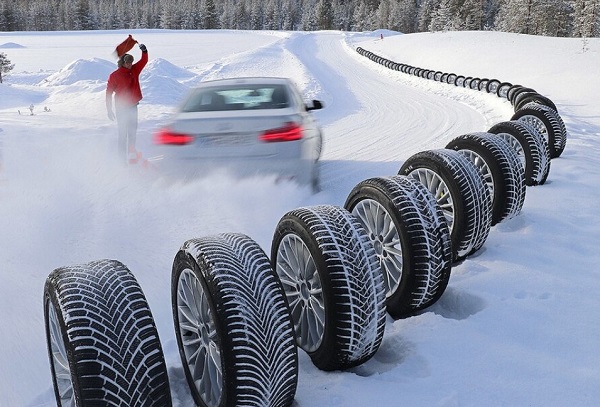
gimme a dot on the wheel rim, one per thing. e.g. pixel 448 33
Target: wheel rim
pixel 516 146
pixel 199 338
pixel 386 239
pixel 536 123
pixel 483 168
pixel 302 284
pixel 436 185
pixel 60 362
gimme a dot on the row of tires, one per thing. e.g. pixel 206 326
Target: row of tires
pixel 538 110
pixel 332 276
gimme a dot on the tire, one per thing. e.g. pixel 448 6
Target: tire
pixel 501 169
pixel 474 84
pixel 444 78
pixel 438 76
pixel 520 91
pixel 515 90
pixel 459 81
pixel 232 323
pixel 460 191
pixel 451 78
pixel 482 86
pixel 529 97
pixel 102 342
pixel 548 123
pixel 333 283
pixel 531 148
pixel 492 86
pixel 467 82
pixel 502 90
pixel 411 238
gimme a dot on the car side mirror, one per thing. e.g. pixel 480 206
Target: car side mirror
pixel 316 105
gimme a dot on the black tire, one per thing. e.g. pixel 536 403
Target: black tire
pixel 501 169
pixel 411 238
pixel 474 84
pixel 548 123
pixel 515 90
pixel 502 90
pixel 102 342
pixel 451 78
pixel 492 86
pixel 520 91
pixel 232 323
pixel 459 81
pixel 461 193
pixel 482 86
pixel 333 283
pixel 467 82
pixel 444 78
pixel 529 97
pixel 531 148
pixel 438 76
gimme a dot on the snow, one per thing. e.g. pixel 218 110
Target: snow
pixel 517 325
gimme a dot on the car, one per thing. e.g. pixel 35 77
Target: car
pixel 250 126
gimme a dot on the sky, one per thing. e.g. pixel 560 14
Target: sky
pixel 518 324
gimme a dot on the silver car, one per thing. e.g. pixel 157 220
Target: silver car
pixel 249 126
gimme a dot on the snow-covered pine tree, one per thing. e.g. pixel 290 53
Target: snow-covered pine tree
pixel 5 65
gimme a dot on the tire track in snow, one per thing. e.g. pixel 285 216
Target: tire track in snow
pixel 373 114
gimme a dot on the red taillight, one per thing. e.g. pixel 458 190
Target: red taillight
pixel 166 136
pixel 289 132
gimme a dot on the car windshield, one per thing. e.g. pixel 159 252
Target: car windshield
pixel 237 97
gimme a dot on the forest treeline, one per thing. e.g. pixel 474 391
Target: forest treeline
pixel 561 18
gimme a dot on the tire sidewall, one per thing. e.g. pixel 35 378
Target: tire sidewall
pixel 426 162
pixel 293 225
pixel 50 297
pixel 182 262
pixel 372 192
pixel 497 173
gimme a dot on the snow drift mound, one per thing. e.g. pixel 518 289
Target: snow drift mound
pixel 11 45
pixel 93 69
pixel 160 81
pixel 162 67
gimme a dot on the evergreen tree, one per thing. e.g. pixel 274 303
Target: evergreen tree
pixel 5 65
pixel 515 16
pixel 324 15
pixel 425 14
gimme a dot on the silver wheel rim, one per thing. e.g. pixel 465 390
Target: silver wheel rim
pixel 436 185
pixel 199 338
pixel 536 124
pixel 386 239
pixel 60 362
pixel 302 284
pixel 516 146
pixel 483 168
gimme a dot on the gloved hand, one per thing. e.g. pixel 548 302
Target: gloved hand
pixel 143 48
pixel 111 115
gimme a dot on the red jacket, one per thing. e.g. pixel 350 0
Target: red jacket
pixel 125 84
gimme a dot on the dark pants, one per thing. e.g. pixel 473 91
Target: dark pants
pixel 127 121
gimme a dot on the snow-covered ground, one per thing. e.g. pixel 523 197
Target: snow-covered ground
pixel 519 322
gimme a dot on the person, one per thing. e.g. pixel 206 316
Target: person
pixel 124 83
